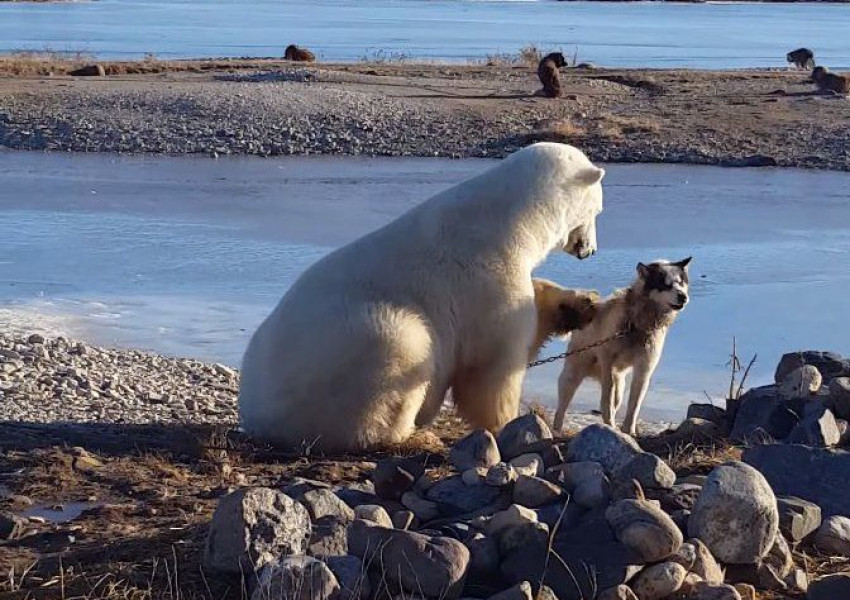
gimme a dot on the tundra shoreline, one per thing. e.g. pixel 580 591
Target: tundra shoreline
pixel 270 107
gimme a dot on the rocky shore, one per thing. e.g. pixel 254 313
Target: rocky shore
pixel 265 108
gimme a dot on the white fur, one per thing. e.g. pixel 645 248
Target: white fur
pixel 366 343
pixel 650 313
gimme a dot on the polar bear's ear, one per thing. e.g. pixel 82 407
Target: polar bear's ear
pixel 590 175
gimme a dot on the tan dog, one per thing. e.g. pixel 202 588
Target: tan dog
pixel 294 53
pixel 560 311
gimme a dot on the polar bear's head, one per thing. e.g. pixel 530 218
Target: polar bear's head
pixel 581 239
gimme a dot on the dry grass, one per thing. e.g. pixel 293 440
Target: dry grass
pixel 528 56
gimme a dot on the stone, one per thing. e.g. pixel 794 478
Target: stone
pixel 659 581
pixel 603 444
pixel 562 515
pixel 500 475
pixel 546 593
pixel 476 476
pixel 521 591
pixel 423 509
pixel 478 449
pixel 351 576
pixel 779 557
pixel 252 527
pixel 695 430
pixel 736 514
pixel 818 475
pixel 797 580
pixel 511 516
pixel 394 476
pixel 830 587
pixel 829 364
pixel 296 578
pixel 682 496
pixel 528 464
pixel 818 429
pixel 517 537
pixel 619 592
pixel 648 470
pixel 432 566
pixel 798 518
pixel 483 557
pixel 802 382
pixel 516 437
pixel 833 535
pixel 646 530
pixel 681 518
pixel 454 497
pixel 586 481
pixel 696 558
pixel 535 491
pixel 329 537
pixel 762 414
pixel 839 397
pixel 713 591
pixel 375 513
pixel 403 519
pixel 323 503
pixel 707 412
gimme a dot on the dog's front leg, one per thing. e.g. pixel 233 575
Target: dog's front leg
pixel 640 384
pixel 608 401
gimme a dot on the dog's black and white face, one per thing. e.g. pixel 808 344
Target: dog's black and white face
pixel 666 283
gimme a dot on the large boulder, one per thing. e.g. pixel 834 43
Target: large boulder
pixel 798 518
pixel 521 435
pixel 255 526
pixel 603 444
pixel 432 566
pixel 648 470
pixel 296 578
pixel 645 529
pixel 818 475
pixel 829 364
pixel 535 491
pixel 454 497
pixel 802 382
pixel 818 428
pixel 762 414
pixel 329 537
pixel 833 536
pixel 478 449
pixel 830 587
pixel 735 515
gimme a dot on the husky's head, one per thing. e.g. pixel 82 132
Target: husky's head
pixel 666 283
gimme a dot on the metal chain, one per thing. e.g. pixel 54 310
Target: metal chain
pixel 595 344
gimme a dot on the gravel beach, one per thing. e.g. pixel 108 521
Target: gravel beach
pixel 732 118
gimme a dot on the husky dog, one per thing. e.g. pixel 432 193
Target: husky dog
pixel 642 313
pixel 830 82
pixel 802 58
pixel 547 71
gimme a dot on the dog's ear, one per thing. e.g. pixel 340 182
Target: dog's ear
pixel 590 175
pixel 642 270
pixel 684 262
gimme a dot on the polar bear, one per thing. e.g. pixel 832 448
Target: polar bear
pixel 365 345
pixel 560 311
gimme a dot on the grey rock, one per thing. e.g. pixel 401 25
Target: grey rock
pixel 500 475
pixel 511 516
pixel 779 557
pixel 713 591
pixel 697 559
pixel 534 492
pixel 455 497
pixel 646 530
pixel 351 575
pixel 797 580
pixel 735 514
pixel 403 519
pixel 375 513
pixel 476 476
pixel 516 437
pixel 432 566
pixel 516 537
pixel 323 503
pixel 484 557
pixel 568 514
pixel 424 510
pixel 528 464
pixel 394 476
pixel 798 518
pixel 329 537
pixel 252 527
pixel 586 481
pixel 521 591
pixel 829 364
pixel 818 475
pixel 707 412
pixel 478 449
pixel 648 470
pixel 839 397
pixel 833 535
pixel 802 382
pixel 762 414
pixel 659 581
pixel 604 445
pixel 830 587
pixel 818 428
pixel 296 578
pixel 619 592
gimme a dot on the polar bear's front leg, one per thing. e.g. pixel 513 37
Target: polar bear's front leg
pixel 488 397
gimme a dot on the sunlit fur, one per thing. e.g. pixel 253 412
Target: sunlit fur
pixel 366 343
pixel 646 309
pixel 560 311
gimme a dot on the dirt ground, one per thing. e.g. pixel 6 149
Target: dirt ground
pixel 149 493
pixel 732 118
